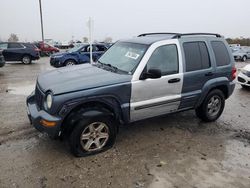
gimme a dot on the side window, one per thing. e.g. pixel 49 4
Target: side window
pixel 101 48
pixel 221 53
pixel 165 58
pixel 205 59
pixel 87 48
pixel 84 49
pixel 15 45
pixel 196 56
pixel 3 46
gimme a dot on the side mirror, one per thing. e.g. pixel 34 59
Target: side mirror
pixel 152 73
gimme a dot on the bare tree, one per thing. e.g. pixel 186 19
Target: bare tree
pixel 108 39
pixel 13 38
pixel 85 39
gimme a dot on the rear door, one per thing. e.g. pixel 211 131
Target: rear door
pixel 14 52
pixel 198 70
pixel 154 97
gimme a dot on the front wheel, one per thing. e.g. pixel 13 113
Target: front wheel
pixel 70 63
pixel 26 59
pixel 92 136
pixel 212 106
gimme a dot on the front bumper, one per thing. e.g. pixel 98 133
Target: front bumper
pixel 36 116
pixel 243 79
pixel 237 57
pixel 55 62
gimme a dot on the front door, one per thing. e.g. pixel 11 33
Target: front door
pixel 154 97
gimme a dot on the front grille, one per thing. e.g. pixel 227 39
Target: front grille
pixel 241 80
pixel 39 98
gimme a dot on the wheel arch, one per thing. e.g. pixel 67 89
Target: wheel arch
pixel 222 85
pixel 88 109
pixel 70 59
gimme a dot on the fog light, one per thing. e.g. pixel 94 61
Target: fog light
pixel 48 123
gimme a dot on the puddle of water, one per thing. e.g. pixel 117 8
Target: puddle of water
pixel 21 90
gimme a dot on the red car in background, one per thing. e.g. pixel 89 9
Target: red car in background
pixel 46 49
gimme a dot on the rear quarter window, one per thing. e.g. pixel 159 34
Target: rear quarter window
pixel 221 53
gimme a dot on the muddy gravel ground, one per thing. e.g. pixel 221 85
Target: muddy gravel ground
pixel 177 150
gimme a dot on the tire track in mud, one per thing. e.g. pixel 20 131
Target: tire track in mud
pixel 18 134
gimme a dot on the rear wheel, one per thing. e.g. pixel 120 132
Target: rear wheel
pixel 70 63
pixel 212 106
pixel 26 59
pixel 92 136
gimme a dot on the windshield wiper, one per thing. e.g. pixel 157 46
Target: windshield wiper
pixel 110 67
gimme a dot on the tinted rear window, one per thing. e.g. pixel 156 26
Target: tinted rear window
pixel 196 56
pixel 221 53
pixel 15 45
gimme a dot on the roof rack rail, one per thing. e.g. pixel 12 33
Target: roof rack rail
pixel 147 34
pixel 192 34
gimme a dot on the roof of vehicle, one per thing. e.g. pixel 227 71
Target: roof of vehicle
pixel 150 38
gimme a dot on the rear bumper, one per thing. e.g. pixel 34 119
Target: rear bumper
pixel 36 57
pixel 231 88
pixel 36 116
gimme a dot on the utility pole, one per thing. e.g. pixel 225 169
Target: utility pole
pixel 90 26
pixel 41 16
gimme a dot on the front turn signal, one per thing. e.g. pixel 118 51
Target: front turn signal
pixel 48 123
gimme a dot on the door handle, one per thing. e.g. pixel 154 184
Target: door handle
pixel 174 80
pixel 209 74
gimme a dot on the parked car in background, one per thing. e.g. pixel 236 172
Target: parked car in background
pixel 243 77
pixel 78 55
pixel 239 54
pixel 247 50
pixel 46 49
pixel 64 45
pixel 2 61
pixel 143 77
pixel 17 51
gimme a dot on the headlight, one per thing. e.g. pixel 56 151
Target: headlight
pixel 48 101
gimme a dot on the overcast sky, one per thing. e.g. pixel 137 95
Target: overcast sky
pixel 122 18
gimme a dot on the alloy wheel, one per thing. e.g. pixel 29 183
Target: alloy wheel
pixel 94 136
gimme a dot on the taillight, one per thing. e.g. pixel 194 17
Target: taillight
pixel 234 70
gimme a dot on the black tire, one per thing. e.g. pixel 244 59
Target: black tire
pixel 244 58
pixel 76 144
pixel 202 110
pixel 26 59
pixel 70 63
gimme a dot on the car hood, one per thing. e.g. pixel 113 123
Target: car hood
pixel 79 77
pixel 58 54
pixel 247 68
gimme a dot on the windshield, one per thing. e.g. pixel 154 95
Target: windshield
pixel 75 49
pixel 124 56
